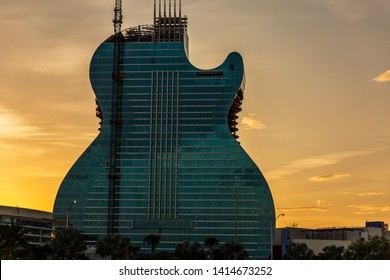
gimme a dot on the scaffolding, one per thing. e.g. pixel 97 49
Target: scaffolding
pixel 169 25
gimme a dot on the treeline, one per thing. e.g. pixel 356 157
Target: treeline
pixel 70 244
pixel 375 248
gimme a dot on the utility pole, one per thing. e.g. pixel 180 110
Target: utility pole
pixel 272 237
pixel 68 211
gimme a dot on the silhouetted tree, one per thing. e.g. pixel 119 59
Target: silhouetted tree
pixel 133 251
pixel 68 244
pixel 13 241
pixel 189 251
pixel 211 243
pixel 298 251
pixel 375 248
pixel 152 240
pixel 232 251
pixel 44 252
pixel 115 246
pixel 331 253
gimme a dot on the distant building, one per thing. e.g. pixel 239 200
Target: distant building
pixel 317 239
pixel 36 224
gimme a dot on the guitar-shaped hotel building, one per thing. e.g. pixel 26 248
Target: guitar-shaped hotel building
pixel 167 159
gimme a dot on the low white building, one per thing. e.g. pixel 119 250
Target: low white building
pixel 37 224
pixel 317 239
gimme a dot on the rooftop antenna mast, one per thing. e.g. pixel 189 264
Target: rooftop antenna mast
pixel 118 16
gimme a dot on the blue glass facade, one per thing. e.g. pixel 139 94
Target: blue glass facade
pixel 178 169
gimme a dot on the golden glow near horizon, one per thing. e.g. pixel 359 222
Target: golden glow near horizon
pixel 316 113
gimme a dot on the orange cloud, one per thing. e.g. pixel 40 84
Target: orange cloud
pixel 382 78
pixel 252 122
pixel 367 194
pixel 371 194
pixel 370 209
pixel 11 124
pixel 328 177
pixel 320 206
pixel 317 161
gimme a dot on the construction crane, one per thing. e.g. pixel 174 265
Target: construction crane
pixel 114 176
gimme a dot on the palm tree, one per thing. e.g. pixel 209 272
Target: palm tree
pixel 133 251
pixel 12 240
pixel 114 246
pixel 189 251
pixel 117 247
pixel 183 250
pixel 68 244
pixel 211 242
pixel 197 251
pixel 233 250
pixel 152 240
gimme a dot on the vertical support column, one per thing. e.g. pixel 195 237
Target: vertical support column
pixel 180 9
pixel 176 186
pixel 180 23
pixel 175 22
pixel 155 153
pixel 118 16
pixel 159 21
pixel 160 148
pixel 166 150
pixel 171 150
pixel 154 14
pixel 169 22
pixel 165 9
pixel 151 137
pixel 164 22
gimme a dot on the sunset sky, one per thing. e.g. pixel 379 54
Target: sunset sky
pixel 316 113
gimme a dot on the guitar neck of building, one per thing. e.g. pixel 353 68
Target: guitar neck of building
pixel 169 24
